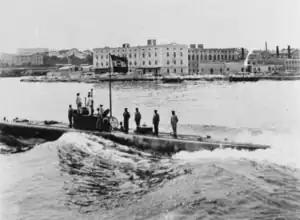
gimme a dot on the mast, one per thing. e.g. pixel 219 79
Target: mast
pixel 110 99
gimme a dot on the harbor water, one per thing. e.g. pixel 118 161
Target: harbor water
pixel 81 176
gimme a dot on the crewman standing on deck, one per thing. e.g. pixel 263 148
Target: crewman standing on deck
pixel 70 116
pixel 99 120
pixel 137 117
pixel 126 116
pixel 174 121
pixel 156 122
pixel 101 110
pixel 79 103
pixel 89 103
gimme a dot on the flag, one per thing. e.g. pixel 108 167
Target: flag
pixel 119 64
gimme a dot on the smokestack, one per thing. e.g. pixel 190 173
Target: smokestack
pixel 243 53
pixel 266 46
pixel 277 51
pixel 289 51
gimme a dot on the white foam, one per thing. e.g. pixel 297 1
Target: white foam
pixel 284 150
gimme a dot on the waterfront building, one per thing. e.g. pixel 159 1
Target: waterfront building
pixel 284 60
pixel 212 60
pixel 30 51
pixel 146 59
pixel 21 60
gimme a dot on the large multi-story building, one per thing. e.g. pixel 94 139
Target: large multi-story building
pixel 21 60
pixel 213 60
pixel 30 51
pixel 150 58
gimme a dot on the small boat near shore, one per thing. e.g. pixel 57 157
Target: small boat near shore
pixel 172 79
pixel 243 78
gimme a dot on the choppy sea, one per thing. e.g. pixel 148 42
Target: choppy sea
pixel 82 176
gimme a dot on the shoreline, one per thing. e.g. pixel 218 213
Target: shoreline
pixel 149 79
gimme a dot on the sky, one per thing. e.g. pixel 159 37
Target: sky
pixel 86 24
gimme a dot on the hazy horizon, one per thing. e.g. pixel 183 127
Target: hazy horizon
pixel 90 24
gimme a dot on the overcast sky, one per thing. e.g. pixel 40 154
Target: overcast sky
pixel 97 23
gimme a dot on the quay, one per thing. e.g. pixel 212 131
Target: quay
pixel 163 144
pixel 158 79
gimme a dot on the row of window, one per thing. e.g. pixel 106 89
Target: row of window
pixel 211 70
pixel 144 63
pixel 210 57
pixel 116 51
pixel 174 70
pixel 143 55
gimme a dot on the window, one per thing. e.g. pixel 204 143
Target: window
pixel 150 62
pixel 181 70
pixel 135 63
pixel 130 63
pixel 167 48
pixel 168 70
pixel 174 61
pixel 181 62
pixel 101 57
pixel 106 63
pixel 168 62
pixel 221 70
pixel 227 69
pixel 205 57
pixel 174 54
pixel 218 57
pixel 143 55
pixel 197 57
pixel 215 57
pixel 225 56
pixel 156 54
pixel 101 64
pixel 97 57
pixel 97 64
pixel 156 62
pixel 209 57
pixel 201 57
pixel 174 70
pixel 193 57
pixel 134 55
pixel 149 54
pixel 167 54
pixel 106 56
pixel 129 55
pixel 144 62
pixel 189 57
pixel 181 53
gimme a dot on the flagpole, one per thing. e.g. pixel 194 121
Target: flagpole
pixel 110 99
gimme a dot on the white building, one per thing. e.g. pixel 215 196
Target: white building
pixel 150 58
pixel 30 51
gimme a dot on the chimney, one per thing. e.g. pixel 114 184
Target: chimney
pixel 243 53
pixel 192 46
pixel 200 46
pixel 277 51
pixel 289 51
pixel 266 46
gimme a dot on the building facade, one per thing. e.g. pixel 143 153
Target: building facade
pixel 284 60
pixel 147 59
pixel 30 51
pixel 21 60
pixel 212 60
